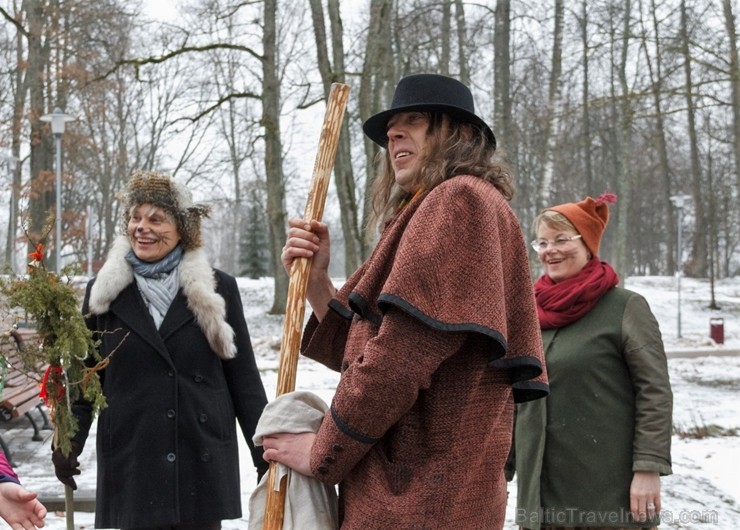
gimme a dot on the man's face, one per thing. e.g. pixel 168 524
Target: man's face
pixel 407 144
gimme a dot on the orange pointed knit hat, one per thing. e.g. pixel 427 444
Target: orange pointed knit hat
pixel 589 217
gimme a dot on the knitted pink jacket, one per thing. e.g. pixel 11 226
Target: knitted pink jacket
pixel 6 472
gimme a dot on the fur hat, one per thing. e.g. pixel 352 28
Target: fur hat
pixel 589 217
pixel 174 198
pixel 427 92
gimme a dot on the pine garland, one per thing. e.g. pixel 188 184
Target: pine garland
pixel 66 344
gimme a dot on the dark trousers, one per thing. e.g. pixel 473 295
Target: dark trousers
pixel 199 526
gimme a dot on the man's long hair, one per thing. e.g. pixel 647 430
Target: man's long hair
pixel 453 148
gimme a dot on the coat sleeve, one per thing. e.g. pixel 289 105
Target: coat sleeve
pixel 83 409
pixel 242 375
pixel 377 390
pixel 6 471
pixel 324 341
pixel 646 359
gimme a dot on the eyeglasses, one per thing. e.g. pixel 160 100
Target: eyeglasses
pixel 540 245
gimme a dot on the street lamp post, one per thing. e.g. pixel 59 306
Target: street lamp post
pixel 679 201
pixel 58 120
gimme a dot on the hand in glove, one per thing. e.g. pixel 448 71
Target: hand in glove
pixel 66 467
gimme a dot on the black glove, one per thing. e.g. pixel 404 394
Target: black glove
pixel 66 467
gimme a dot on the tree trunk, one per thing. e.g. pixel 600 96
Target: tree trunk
pixel 661 145
pixel 344 178
pixel 462 40
pixel 375 83
pixel 731 29
pixel 697 262
pixel 588 172
pixel 544 194
pixel 236 163
pixel 444 52
pixel 624 179
pixel 42 148
pixel 16 130
pixel 273 157
pixel 502 117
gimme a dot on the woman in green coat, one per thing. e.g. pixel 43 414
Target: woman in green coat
pixel 591 454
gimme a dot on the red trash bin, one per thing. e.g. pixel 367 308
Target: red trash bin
pixel 717 330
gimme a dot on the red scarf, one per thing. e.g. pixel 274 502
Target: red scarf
pixel 562 303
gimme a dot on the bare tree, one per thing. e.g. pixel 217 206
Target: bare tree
pixel 444 52
pixel 237 129
pixel 203 99
pixel 586 99
pixel 734 67
pixel 696 264
pixel 334 71
pixel 502 106
pixel 655 70
pixel 41 159
pixel 462 39
pixel 544 194
pixel 17 79
pixel 273 154
pixel 625 136
pixel 377 80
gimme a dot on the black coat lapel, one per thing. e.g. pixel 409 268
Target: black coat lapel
pixel 130 308
pixel 177 316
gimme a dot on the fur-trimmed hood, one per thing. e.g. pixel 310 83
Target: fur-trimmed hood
pixel 197 282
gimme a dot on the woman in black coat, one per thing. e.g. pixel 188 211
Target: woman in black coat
pixel 181 371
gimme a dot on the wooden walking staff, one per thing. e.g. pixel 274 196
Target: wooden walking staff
pixel 296 304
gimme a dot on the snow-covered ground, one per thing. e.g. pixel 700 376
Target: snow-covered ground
pixel 703 492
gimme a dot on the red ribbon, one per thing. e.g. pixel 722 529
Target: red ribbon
pixel 55 374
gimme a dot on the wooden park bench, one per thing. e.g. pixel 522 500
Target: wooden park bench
pixel 20 394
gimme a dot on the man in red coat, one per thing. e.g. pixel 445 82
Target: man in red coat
pixel 435 335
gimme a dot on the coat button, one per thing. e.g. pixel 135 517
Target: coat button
pixel 198 378
pixel 171 457
pixel 170 413
pixel 205 457
pixel 203 418
pixel 329 459
pixel 337 448
pixel 171 373
pixel 323 470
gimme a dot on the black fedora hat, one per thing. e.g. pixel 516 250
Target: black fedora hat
pixel 427 92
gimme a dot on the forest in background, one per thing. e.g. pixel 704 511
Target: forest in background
pixel 636 97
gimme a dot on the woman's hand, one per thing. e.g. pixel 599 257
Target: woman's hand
pixel 645 495
pixel 311 240
pixel 20 508
pixel 292 450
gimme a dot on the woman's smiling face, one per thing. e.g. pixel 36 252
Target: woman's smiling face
pixel 561 263
pixel 152 232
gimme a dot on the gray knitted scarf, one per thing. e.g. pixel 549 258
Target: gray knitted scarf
pixel 158 282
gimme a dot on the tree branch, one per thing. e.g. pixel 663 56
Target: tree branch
pixel 13 21
pixel 221 101
pixel 180 51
